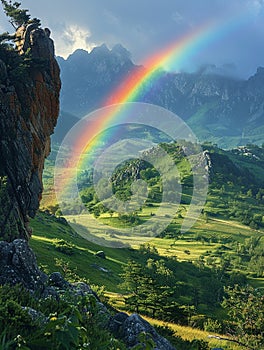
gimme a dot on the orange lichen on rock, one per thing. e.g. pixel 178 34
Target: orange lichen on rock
pixel 30 108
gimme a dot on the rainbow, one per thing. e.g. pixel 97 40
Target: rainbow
pixel 89 134
pixel 132 87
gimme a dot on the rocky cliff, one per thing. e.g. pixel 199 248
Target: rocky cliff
pixel 29 106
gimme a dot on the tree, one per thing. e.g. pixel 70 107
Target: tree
pixel 152 288
pixel 245 307
pixel 156 286
pixel 133 277
pixel 17 16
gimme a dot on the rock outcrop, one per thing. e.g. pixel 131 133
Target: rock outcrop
pixel 29 107
pixel 129 328
pixel 18 266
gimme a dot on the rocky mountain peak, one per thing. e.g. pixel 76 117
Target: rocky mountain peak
pixel 121 52
pixel 78 55
pixel 214 102
pixel 257 79
pixel 100 50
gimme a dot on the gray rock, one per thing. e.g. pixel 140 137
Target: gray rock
pixel 134 325
pixel 37 316
pixel 56 280
pixel 116 323
pixel 40 43
pixel 102 315
pixel 83 288
pixel 18 265
pixel 128 328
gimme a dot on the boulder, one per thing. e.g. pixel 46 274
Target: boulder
pixel 18 265
pixel 129 328
pixel 56 280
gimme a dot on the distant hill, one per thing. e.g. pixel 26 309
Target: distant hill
pixel 221 109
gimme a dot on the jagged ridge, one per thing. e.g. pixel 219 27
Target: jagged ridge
pixel 218 108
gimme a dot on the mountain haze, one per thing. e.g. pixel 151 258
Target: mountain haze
pixel 219 108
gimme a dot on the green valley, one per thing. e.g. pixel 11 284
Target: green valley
pixel 181 278
pixel 132 193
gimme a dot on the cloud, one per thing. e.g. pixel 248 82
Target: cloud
pixel 145 27
pixel 72 38
pixel 177 17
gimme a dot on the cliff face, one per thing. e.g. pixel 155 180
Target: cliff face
pixel 29 107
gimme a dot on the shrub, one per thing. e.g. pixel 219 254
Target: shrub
pixel 197 321
pixel 70 322
pixel 213 326
pixel 64 247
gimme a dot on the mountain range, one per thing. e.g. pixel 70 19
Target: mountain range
pixel 219 108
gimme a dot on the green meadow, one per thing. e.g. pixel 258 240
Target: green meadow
pixel 187 272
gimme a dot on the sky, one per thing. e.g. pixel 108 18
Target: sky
pixel 145 27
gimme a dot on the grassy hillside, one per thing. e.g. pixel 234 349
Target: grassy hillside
pixel 230 225
pixel 194 263
pixel 224 248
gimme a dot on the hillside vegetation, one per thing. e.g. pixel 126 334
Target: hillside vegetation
pixel 175 277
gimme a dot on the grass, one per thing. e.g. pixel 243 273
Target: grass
pixel 189 333
pixel 46 231
pixel 222 232
pixel 212 227
pixel 185 332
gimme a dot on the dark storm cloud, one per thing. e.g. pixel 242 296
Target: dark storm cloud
pixel 146 26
